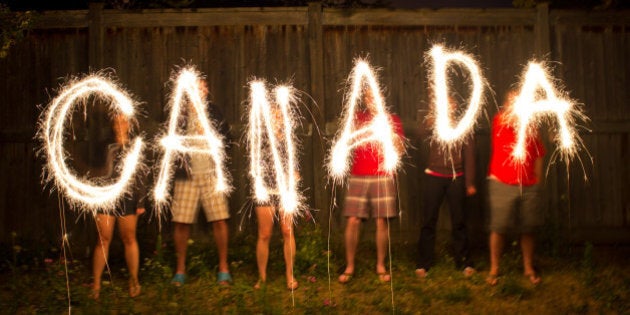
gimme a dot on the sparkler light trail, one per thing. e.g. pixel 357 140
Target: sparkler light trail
pixel 209 141
pixel 86 194
pixel 537 99
pixel 271 130
pixel 378 131
pixel 446 133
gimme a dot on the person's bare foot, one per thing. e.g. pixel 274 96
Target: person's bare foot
pixel 469 272
pixel 492 279
pixel 292 284
pixel 421 273
pixel 345 277
pixel 259 284
pixel 134 289
pixel 95 293
pixel 533 278
pixel 384 277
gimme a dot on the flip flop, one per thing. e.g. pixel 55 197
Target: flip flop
pixel 224 278
pixel 178 280
pixel 345 277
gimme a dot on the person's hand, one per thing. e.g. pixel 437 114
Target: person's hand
pixel 471 190
pixel 140 211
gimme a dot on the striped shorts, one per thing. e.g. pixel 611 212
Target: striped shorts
pixel 189 192
pixel 377 192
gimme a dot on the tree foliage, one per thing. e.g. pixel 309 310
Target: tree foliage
pixel 13 26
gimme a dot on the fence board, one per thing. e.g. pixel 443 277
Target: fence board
pixel 231 45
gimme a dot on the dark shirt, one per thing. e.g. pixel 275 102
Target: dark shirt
pixel 460 159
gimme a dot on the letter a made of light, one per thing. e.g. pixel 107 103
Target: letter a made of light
pixel 379 130
pixel 208 141
pixel 539 98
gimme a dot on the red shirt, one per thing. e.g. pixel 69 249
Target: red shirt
pixel 367 158
pixel 502 164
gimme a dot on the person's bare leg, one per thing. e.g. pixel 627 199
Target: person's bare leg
pixel 220 231
pixel 496 246
pixel 127 228
pixel 351 237
pixel 382 238
pixel 181 234
pixel 289 251
pixel 527 248
pixel 264 214
pixel 105 229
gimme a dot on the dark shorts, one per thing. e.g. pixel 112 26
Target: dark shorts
pixel 126 207
pixel 377 192
pixel 514 208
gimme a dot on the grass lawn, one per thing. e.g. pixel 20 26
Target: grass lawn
pixel 577 280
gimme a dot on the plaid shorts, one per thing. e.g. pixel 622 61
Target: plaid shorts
pixel 189 192
pixel 379 192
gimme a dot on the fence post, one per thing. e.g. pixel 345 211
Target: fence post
pixel 318 108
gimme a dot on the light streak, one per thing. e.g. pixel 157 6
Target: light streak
pixel 271 130
pixel 86 194
pixel 446 133
pixel 537 99
pixel 209 141
pixel 378 131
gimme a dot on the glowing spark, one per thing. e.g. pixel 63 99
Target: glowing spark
pixel 531 104
pixel 378 130
pixel 444 131
pixel 271 127
pixel 86 194
pixel 208 141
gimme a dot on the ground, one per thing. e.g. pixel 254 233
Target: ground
pixel 583 279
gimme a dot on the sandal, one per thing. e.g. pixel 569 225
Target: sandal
pixel 492 280
pixel 345 277
pixel 178 280
pixel 224 278
pixel 384 277
pixel 292 285
pixel 533 278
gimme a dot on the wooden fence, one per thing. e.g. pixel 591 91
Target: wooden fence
pixel 314 49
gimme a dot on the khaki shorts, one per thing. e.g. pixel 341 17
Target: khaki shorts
pixel 377 192
pixel 514 208
pixel 200 188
